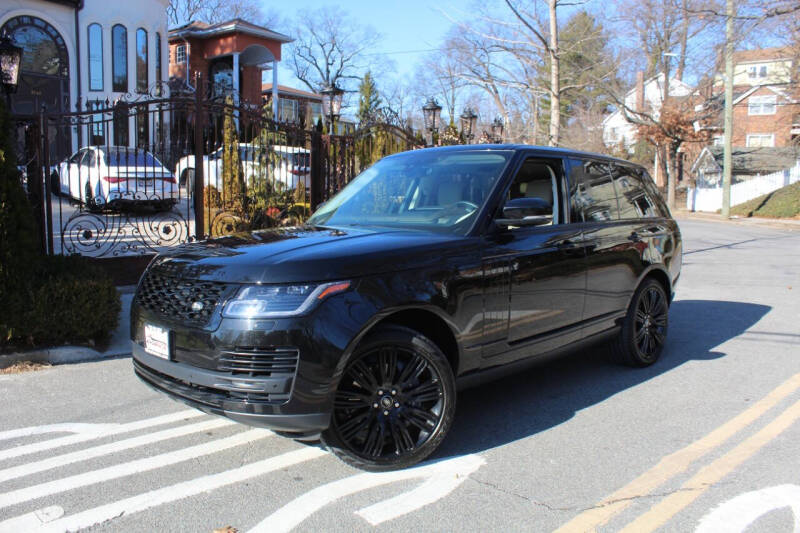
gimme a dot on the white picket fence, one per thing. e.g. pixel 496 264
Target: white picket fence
pixel 700 199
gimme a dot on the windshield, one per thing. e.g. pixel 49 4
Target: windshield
pixel 428 190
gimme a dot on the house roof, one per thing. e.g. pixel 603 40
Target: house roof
pixel 759 160
pixel 201 30
pixel 285 89
pixel 762 54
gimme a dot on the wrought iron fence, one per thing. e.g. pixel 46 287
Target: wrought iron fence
pixel 147 172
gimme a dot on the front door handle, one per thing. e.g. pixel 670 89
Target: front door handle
pixel 634 237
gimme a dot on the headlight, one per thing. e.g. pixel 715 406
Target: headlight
pixel 264 301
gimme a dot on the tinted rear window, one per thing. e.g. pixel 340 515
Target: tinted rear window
pixel 118 158
pixel 634 200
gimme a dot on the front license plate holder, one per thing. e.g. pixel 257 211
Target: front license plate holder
pixel 156 341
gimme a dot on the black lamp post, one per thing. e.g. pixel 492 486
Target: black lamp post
pixel 497 129
pixel 431 112
pixel 10 59
pixel 468 119
pixel 333 103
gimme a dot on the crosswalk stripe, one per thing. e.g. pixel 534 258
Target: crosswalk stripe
pixel 106 449
pixel 179 491
pixel 129 468
pixel 115 429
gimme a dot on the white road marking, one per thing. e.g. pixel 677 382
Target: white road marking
pixel 442 478
pixel 179 491
pixel 55 428
pixel 113 447
pixel 106 431
pixel 31 521
pixel 132 467
pixel 736 515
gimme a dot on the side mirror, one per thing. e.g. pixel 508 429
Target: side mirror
pixel 526 212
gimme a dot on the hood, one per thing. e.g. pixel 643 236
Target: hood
pixel 289 255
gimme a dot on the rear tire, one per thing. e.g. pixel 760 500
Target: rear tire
pixel 395 402
pixel 644 329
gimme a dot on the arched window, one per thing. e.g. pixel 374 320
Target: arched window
pixel 141 60
pixel 95 51
pixel 119 67
pixel 158 58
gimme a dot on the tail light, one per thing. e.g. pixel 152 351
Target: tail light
pixel 113 179
pixel 298 171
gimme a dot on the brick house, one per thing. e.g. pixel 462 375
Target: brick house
pixel 231 55
pixel 294 105
pixel 766 104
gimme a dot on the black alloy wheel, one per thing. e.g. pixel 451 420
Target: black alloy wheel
pixel 395 401
pixel 644 330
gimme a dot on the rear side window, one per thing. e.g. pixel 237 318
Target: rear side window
pixel 592 195
pixel 634 199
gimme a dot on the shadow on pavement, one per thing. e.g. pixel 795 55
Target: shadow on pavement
pixel 546 395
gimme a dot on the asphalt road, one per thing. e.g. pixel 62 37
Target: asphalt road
pixel 705 440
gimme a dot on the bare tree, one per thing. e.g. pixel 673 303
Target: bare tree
pixel 332 49
pixel 214 11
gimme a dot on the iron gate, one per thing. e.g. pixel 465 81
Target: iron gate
pixel 141 174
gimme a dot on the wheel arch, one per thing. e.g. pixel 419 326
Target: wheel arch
pixel 659 274
pixel 425 320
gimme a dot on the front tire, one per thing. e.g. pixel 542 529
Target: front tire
pixel 395 402
pixel 644 330
pixel 89 202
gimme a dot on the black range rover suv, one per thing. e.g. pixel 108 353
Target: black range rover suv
pixel 431 268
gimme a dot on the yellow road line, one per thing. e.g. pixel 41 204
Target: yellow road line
pixel 675 463
pixel 658 515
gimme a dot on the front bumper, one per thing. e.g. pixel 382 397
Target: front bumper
pixel 210 392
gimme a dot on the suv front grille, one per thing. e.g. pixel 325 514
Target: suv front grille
pixel 257 361
pixel 180 299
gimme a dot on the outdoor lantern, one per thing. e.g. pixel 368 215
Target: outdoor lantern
pixel 430 112
pixel 497 129
pixel 10 59
pixel 333 101
pixel 468 119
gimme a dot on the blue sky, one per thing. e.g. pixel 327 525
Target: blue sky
pixel 408 27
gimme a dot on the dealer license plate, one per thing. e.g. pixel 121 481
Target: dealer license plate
pixel 156 340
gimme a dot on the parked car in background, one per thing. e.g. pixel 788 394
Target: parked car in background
pixel 281 166
pixel 433 267
pixel 115 176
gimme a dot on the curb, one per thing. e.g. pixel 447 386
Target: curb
pixel 119 344
pixel 790 225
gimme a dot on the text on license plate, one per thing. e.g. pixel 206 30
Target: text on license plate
pixel 156 340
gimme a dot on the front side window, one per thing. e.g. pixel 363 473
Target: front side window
pixel 761 105
pixel 141 61
pixel 95 51
pixel 537 179
pixel 592 194
pixel 429 191
pixel 119 67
